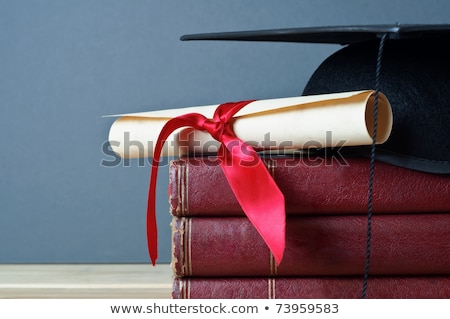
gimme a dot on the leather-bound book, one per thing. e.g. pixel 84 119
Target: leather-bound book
pixel 333 245
pixel 380 287
pixel 311 185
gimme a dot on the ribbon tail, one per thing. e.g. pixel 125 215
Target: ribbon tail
pixel 152 230
pixel 257 193
pixel 169 127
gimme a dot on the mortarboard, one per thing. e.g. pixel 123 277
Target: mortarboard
pixel 414 76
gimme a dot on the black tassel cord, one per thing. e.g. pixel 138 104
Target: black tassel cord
pixel 372 167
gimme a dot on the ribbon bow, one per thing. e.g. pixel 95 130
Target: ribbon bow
pixel 253 186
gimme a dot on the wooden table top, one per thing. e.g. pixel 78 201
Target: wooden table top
pixel 79 281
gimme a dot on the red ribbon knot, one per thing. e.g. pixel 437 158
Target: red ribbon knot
pixel 248 177
pixel 216 129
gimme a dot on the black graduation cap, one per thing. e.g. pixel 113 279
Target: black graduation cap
pixel 415 77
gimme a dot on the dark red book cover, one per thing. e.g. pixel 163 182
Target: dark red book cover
pixel 311 185
pixel 335 245
pixel 386 287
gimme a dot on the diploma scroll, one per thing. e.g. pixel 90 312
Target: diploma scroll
pixel 315 121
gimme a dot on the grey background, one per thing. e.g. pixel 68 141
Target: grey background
pixel 64 64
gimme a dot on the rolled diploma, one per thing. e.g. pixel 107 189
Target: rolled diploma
pixel 326 120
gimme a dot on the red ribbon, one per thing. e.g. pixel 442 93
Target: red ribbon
pixel 253 186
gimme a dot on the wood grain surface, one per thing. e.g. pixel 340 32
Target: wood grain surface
pixel 56 281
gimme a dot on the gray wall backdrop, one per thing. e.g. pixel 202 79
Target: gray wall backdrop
pixel 64 64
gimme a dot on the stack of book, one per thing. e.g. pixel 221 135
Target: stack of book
pixel 217 253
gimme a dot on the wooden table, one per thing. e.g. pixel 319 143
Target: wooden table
pixel 56 281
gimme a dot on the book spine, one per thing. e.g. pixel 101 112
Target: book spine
pixel 387 287
pixel 401 244
pixel 197 187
